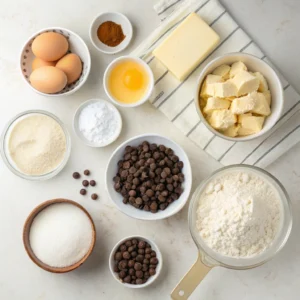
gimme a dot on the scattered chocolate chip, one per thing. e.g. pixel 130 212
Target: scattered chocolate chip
pixel 76 175
pixel 94 196
pixel 83 192
pixel 85 183
pixel 86 172
pixel 92 183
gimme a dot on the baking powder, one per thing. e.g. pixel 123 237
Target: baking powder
pixel 239 214
pixel 99 122
pixel 61 235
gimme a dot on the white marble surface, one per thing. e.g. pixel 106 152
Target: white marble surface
pixel 273 23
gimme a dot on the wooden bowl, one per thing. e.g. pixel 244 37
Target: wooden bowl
pixel 30 252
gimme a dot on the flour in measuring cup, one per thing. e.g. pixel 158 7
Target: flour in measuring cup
pixel 239 214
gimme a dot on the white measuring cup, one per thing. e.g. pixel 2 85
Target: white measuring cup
pixel 208 259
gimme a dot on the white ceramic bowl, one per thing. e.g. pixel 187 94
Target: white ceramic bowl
pixel 112 168
pixel 253 64
pixel 117 18
pixel 107 74
pixel 76 45
pixel 152 278
pixel 79 133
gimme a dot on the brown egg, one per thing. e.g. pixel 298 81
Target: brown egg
pixel 71 65
pixel 37 63
pixel 50 46
pixel 48 79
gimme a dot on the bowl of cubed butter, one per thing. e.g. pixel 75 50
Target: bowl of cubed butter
pixel 239 97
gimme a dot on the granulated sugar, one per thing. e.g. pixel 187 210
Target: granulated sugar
pixel 61 235
pixel 239 214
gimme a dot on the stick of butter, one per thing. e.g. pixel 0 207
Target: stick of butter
pixel 186 46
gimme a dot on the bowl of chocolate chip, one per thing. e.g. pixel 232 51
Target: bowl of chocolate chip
pixel 149 177
pixel 135 262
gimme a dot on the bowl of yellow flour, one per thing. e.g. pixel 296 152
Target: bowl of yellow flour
pixel 35 145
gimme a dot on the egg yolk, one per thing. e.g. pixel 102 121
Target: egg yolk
pixel 128 81
pixel 133 79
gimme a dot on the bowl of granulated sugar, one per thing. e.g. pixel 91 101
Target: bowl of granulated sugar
pixel 59 235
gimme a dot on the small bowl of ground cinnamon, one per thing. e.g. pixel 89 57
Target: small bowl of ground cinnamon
pixel 111 32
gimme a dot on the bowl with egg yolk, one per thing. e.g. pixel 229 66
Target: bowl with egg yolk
pixel 128 81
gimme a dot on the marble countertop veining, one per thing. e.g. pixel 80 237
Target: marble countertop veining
pixel 273 24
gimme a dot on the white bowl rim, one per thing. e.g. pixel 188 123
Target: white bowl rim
pixel 199 84
pixel 129 38
pixel 158 255
pixel 188 184
pixel 148 70
pixel 76 116
pixel 88 65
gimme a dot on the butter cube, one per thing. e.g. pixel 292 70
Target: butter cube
pixel 202 102
pixel 187 46
pixel 267 95
pixel 222 119
pixel 242 105
pixel 236 68
pixel 241 117
pixel 261 106
pixel 263 85
pixel 216 103
pixel 232 131
pixel 224 89
pixel 207 89
pixel 245 83
pixel 223 71
pixel 210 78
pixel 250 125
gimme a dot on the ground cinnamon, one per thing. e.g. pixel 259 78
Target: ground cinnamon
pixel 110 34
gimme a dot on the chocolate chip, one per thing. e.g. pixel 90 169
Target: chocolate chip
pixel 94 196
pixel 123 248
pixel 83 192
pixel 76 175
pixel 118 256
pixel 126 255
pixel 92 182
pixel 127 279
pixel 122 265
pixel 139 274
pixel 85 183
pixel 152 272
pixel 86 172
pixel 122 274
pixel 153 261
pixel 131 264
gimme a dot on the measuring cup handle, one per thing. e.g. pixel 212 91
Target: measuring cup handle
pixel 191 280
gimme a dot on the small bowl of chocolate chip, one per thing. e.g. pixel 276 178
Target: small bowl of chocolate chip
pixel 135 262
pixel 149 177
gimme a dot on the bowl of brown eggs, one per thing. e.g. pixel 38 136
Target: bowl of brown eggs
pixel 55 61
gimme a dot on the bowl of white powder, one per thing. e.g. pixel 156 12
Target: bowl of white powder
pixel 240 217
pixel 97 123
pixel 35 145
pixel 59 235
